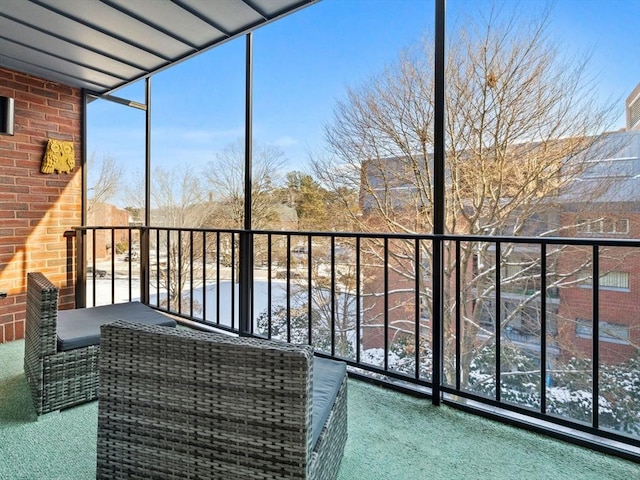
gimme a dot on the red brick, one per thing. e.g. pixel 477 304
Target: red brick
pixel 61 104
pixel 31 98
pixel 19 330
pixel 9 332
pixel 31 81
pixel 44 92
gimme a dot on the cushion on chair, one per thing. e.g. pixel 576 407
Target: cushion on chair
pixel 327 378
pixel 81 327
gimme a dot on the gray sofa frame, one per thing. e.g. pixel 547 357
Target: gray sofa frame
pixel 180 404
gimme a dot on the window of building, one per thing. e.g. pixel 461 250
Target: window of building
pixel 609 332
pixel 610 167
pixel 608 225
pixel 610 280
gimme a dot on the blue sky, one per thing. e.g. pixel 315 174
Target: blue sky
pixel 303 65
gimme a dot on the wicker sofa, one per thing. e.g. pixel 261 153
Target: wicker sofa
pixel 62 347
pixel 177 404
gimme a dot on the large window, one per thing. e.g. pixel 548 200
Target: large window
pixel 610 280
pixel 609 332
pixel 603 225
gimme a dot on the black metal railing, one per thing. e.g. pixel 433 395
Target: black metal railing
pixel 513 312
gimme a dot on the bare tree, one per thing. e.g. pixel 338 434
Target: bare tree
pixel 105 180
pixel 520 121
pixel 225 179
pixel 178 202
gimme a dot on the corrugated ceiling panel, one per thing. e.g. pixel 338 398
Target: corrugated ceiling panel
pixel 275 7
pixel 59 77
pixel 175 20
pixel 231 16
pixel 43 42
pixel 59 26
pixel 105 18
pixel 104 45
pixel 55 64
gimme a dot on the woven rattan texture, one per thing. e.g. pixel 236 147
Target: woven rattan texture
pixel 180 404
pixel 57 380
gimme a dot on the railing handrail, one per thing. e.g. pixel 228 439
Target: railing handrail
pixel 555 240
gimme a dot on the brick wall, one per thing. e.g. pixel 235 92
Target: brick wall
pixel 36 209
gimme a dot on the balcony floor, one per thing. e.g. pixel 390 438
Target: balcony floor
pixel 391 436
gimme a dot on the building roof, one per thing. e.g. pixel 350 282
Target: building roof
pixel 614 172
pixel 104 45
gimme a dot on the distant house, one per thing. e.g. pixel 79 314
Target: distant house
pixel 104 214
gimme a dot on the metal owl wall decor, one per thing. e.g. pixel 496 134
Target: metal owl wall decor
pixel 59 156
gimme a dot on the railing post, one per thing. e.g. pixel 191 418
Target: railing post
pixel 81 286
pixel 246 236
pixel 245 283
pixel 439 174
pixel 144 265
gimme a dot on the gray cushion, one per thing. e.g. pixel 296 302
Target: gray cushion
pixel 81 327
pixel 327 378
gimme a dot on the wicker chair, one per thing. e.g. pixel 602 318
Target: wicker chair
pixel 177 404
pixel 60 374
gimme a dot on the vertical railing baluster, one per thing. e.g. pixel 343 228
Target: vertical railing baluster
pixel 358 311
pixel 190 273
pixel 93 266
pixel 386 302
pixel 233 280
pixel 145 263
pixel 596 338
pixel 288 287
pixel 458 317
pixel 543 327
pixel 180 267
pixel 218 278
pixel 158 267
pixel 269 285
pixel 129 267
pixel 417 310
pixel 113 265
pixel 204 276
pixel 309 291
pixel 168 276
pixel 498 327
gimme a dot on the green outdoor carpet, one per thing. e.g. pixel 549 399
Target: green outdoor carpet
pixel 391 436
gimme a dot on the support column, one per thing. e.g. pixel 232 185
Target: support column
pixel 246 237
pixel 438 199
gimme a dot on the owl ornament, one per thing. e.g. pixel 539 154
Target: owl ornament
pixel 59 156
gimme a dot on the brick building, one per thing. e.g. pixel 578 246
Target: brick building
pixel 615 214
pixel 603 202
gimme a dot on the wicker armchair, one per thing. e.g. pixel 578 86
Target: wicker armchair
pixel 57 379
pixel 62 348
pixel 177 404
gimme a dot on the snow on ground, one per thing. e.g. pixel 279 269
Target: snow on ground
pixel 215 302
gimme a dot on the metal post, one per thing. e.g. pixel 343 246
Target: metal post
pixel 439 198
pixel 81 278
pixel 246 237
pixel 81 284
pixel 144 232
